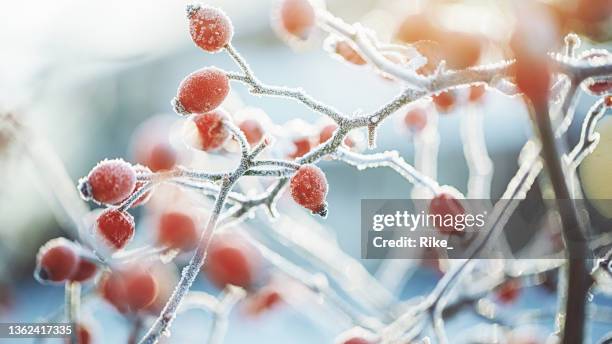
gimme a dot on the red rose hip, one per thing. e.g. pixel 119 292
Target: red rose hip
pixel 85 270
pixel 115 227
pixel 109 182
pixel 56 261
pixel 309 189
pixel 201 91
pixel 212 133
pixel 130 289
pixel 210 28
pixel 252 130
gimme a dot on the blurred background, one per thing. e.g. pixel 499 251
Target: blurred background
pixel 81 76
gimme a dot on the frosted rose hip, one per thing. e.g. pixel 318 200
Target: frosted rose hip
pixel 110 182
pixel 297 17
pixel 309 189
pixel 348 53
pixel 201 91
pixel 115 227
pixel 56 261
pixel 212 134
pixel 210 27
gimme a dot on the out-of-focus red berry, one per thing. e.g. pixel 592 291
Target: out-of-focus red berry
pixel 416 119
pixel 416 27
pixel 508 291
pixel 297 17
pixel 476 92
pixel 263 301
pixel 177 230
pixel 230 261
pixel 348 53
pixel 302 146
pixel 444 205
pixel 130 289
pixel 432 52
pixel 327 132
pixel 534 37
pixel 56 261
pixel 460 50
pixel 83 334
pixel 253 131
pixel 210 28
pixel 357 340
pixel 202 91
pixel 212 133
pixel 309 189
pixel 444 101
pixel 84 271
pixel 608 101
pixel 109 182
pixel 163 157
pixel 115 227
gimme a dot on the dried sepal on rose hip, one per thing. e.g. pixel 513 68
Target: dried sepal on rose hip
pixel 115 228
pixel 177 230
pixel 109 182
pixel 201 91
pixel 210 28
pixel 296 18
pixel 129 288
pixel 210 131
pixel 56 261
pixel 230 260
pixel 309 189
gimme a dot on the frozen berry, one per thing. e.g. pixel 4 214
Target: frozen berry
pixel 56 261
pixel 508 291
pixel 327 132
pixel 110 182
pixel 201 91
pixel 212 133
pixel 210 28
pixel 309 189
pixel 115 227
